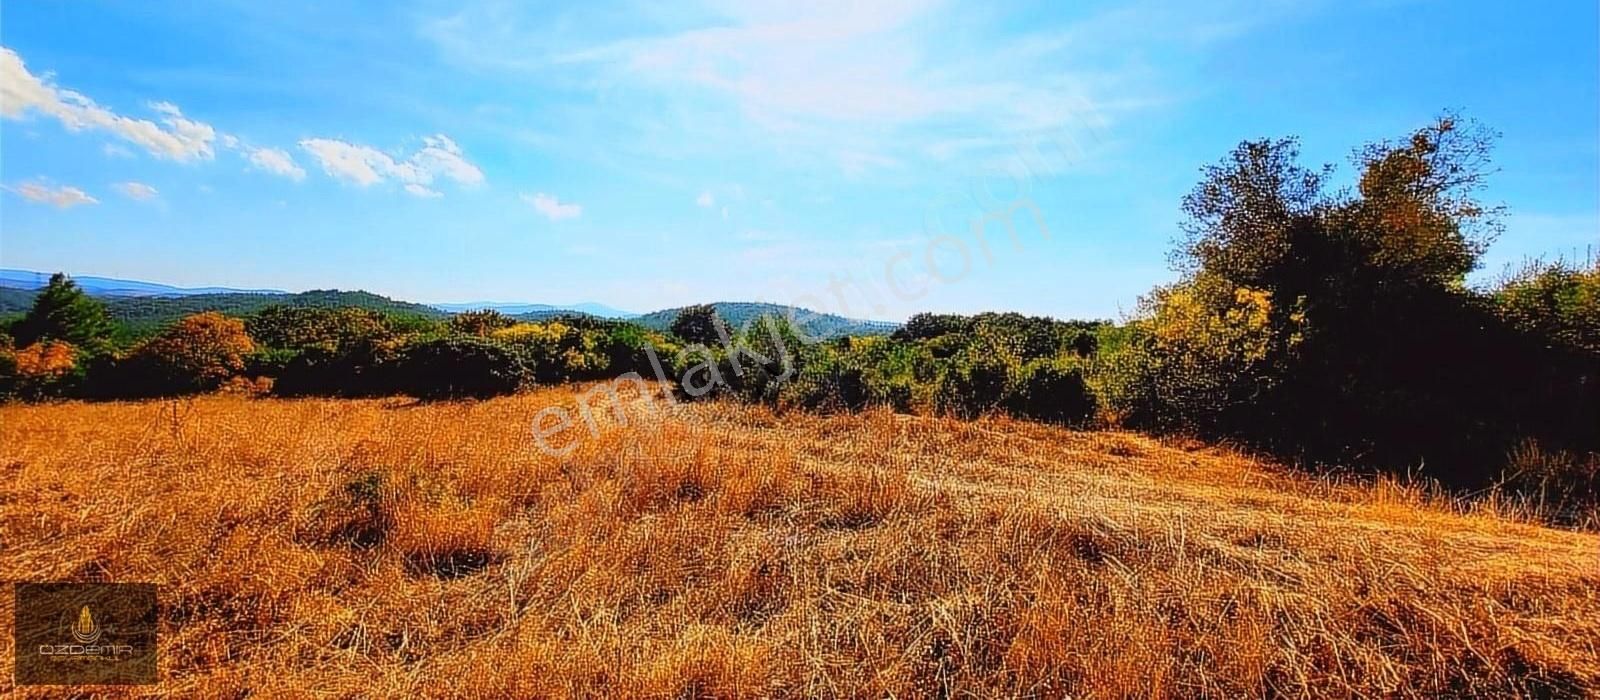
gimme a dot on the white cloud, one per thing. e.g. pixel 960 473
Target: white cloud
pixel 845 72
pixel 63 197
pixel 361 165
pixel 440 157
pixel 705 199
pixel 21 92
pixel 423 191
pixel 136 190
pixel 179 138
pixel 553 208
pixel 851 86
pixel 276 161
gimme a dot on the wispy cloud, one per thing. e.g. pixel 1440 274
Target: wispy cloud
pixel 176 137
pixel 363 165
pixel 173 136
pixel 422 191
pixel 551 207
pixel 62 197
pixel 854 86
pixel 705 200
pixel 276 161
pixel 136 191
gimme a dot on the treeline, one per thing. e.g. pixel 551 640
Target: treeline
pixel 1328 327
pixel 1336 327
pixel 67 346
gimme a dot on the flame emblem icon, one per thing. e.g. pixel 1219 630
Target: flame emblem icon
pixel 84 630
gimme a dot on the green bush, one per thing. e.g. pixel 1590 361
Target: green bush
pixel 459 366
pixel 1053 393
pixel 482 323
pixel 975 383
pixel 1556 301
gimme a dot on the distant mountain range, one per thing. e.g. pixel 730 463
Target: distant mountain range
pixel 522 309
pixel 146 306
pixel 109 287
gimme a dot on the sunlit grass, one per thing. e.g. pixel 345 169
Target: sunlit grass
pixel 386 548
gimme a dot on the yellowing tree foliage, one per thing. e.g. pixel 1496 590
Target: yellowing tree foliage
pixel 50 359
pixel 199 351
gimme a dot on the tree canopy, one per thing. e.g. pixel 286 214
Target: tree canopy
pixel 62 311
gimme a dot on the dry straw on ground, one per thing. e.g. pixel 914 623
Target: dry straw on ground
pixel 387 548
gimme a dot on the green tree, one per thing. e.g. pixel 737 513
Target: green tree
pixel 1558 302
pixel 697 324
pixel 64 312
pixel 307 328
pixel 480 323
pixel 1337 326
pixel 460 366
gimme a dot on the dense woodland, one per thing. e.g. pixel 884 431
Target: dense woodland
pixel 1328 327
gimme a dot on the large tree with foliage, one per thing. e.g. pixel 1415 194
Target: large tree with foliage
pixel 697 324
pixel 1360 342
pixel 64 312
pixel 197 353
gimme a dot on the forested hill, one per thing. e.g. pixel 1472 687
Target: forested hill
pixel 737 314
pixel 142 315
pixel 138 316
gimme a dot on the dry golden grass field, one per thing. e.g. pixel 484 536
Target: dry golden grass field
pixel 385 548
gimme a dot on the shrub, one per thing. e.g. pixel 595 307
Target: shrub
pixel 975 382
pixel 1053 393
pixel 43 369
pixel 363 369
pixel 925 326
pixel 879 371
pixel 196 353
pixel 1200 353
pixel 1555 301
pixel 816 383
pixel 556 352
pixel 326 352
pixel 769 354
pixel 310 328
pixel 459 366
pixel 1085 343
pixel 481 323
pixel 624 346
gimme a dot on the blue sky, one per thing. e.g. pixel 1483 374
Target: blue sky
pixel 642 156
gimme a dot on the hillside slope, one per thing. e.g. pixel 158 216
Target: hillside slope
pixel 740 313
pixel 386 548
pixel 587 308
pixel 148 314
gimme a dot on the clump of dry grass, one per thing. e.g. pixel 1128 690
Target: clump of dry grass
pixel 384 548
